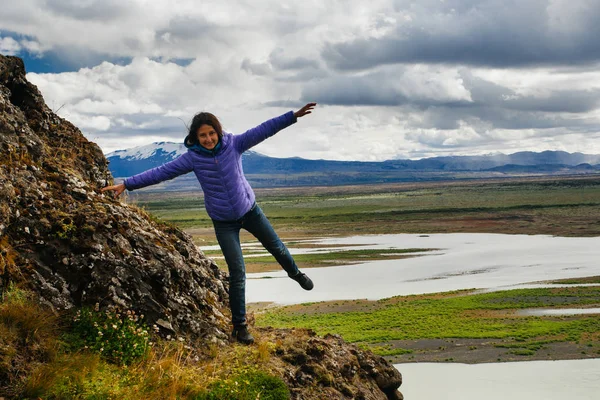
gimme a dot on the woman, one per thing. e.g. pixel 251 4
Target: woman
pixel 216 159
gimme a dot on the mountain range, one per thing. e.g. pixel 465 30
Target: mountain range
pixel 265 171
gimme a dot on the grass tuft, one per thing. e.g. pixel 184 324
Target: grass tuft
pixel 28 335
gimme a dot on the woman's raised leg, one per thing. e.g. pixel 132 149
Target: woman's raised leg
pixel 257 224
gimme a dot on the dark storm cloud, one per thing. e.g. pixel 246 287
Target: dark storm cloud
pixel 484 117
pixel 485 93
pixel 491 106
pixel 386 89
pixel 498 33
pixel 350 91
pixel 496 107
pixel 375 89
pixel 578 101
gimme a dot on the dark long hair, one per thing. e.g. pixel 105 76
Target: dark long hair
pixel 202 118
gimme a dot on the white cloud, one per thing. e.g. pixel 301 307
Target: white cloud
pixel 542 80
pixel 9 46
pixel 32 46
pixel 155 63
pixel 94 123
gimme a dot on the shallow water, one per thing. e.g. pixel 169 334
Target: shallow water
pixel 464 261
pixel 531 380
pixel 561 311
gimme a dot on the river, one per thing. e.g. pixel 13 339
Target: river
pixel 463 261
pixel 529 380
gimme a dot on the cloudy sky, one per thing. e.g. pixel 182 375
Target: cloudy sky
pixel 393 78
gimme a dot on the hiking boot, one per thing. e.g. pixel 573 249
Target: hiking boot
pixel 303 280
pixel 241 334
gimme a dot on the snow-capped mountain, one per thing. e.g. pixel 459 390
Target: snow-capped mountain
pixel 128 162
pixel 263 171
pixel 166 149
pixel 132 161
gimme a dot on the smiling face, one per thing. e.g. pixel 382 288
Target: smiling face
pixel 207 137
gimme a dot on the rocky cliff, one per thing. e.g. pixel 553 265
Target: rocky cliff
pixel 73 246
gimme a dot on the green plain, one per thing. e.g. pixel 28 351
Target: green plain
pixel 449 315
pixel 566 207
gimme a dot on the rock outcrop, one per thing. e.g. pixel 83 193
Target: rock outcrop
pixel 329 368
pixel 73 246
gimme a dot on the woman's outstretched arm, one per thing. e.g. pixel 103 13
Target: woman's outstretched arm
pixel 179 166
pixel 254 136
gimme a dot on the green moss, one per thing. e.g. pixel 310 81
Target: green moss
pixel 249 385
pixel 66 231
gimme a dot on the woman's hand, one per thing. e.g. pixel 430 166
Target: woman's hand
pixel 305 110
pixel 118 189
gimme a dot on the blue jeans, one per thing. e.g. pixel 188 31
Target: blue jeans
pixel 228 236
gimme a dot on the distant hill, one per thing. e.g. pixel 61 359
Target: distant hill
pixel 264 171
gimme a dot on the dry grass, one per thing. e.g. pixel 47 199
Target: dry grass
pixel 33 364
pixel 169 372
pixel 28 336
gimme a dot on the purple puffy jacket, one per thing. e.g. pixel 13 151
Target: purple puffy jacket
pixel 227 194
